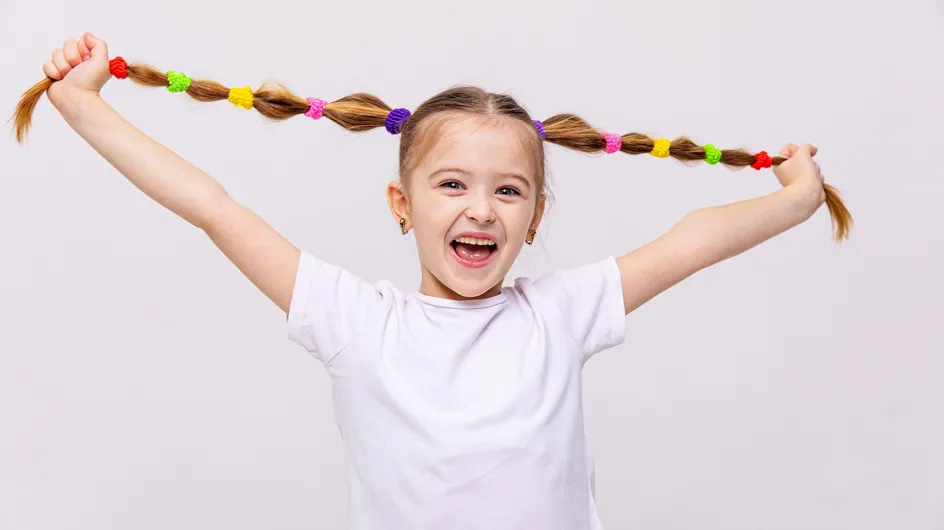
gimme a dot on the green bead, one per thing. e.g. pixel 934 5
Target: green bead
pixel 712 154
pixel 177 81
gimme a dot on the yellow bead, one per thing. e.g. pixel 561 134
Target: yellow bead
pixel 661 148
pixel 241 97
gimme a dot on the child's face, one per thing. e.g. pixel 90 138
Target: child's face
pixel 478 185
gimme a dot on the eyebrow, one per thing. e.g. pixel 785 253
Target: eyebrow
pixel 464 172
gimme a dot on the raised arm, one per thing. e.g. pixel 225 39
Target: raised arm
pixel 710 235
pixel 264 256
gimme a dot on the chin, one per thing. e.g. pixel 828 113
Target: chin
pixel 472 291
pixel 473 287
pixel 465 288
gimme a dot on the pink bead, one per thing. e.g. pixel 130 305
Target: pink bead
pixel 317 108
pixel 613 142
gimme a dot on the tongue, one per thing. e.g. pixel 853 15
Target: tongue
pixel 472 252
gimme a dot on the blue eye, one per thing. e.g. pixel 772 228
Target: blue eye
pixel 508 189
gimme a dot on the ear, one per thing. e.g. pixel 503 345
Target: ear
pixel 538 212
pixel 399 203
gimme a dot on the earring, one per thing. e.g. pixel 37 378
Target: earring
pixel 530 238
pixel 403 229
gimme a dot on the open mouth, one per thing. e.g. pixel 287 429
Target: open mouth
pixel 473 252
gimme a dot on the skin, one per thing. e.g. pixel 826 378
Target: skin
pixel 436 208
pixel 476 178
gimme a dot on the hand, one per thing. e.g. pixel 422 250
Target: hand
pixel 802 173
pixel 79 65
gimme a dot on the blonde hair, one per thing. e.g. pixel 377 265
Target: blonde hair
pixel 363 112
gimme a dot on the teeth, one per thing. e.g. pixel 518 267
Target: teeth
pixel 475 241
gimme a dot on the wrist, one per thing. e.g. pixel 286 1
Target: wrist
pixel 805 197
pixel 71 101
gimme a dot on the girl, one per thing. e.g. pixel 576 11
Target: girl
pixel 459 404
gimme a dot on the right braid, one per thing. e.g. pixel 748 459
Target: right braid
pixel 356 112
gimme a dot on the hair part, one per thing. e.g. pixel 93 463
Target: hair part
pixel 423 129
pixel 361 112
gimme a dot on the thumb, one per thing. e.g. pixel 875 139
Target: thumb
pixel 96 46
pixel 788 150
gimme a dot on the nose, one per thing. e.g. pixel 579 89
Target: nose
pixel 480 208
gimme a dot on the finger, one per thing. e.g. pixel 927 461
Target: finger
pixel 96 46
pixel 818 169
pixel 83 48
pixel 51 71
pixel 59 59
pixel 788 150
pixel 807 149
pixel 70 48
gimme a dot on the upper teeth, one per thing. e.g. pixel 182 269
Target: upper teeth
pixel 474 241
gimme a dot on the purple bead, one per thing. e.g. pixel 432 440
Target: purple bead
pixel 395 120
pixel 540 127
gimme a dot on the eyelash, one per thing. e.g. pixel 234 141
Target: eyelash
pixel 514 191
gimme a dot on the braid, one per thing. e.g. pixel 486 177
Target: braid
pixel 361 112
pixel 573 132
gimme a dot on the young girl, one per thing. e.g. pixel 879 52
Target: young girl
pixel 459 404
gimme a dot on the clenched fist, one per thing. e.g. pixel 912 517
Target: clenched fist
pixel 80 64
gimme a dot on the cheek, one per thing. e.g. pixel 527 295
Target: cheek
pixel 431 223
pixel 435 212
pixel 517 219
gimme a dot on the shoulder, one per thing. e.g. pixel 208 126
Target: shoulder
pixel 586 300
pixel 331 304
pixel 601 273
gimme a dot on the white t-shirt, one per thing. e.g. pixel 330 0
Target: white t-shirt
pixel 461 415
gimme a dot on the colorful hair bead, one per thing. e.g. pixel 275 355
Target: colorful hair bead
pixel 712 154
pixel 661 148
pixel 317 108
pixel 118 67
pixel 540 127
pixel 177 81
pixel 762 160
pixel 613 142
pixel 395 120
pixel 241 97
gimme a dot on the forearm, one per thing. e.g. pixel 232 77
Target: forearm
pixel 154 169
pixel 720 232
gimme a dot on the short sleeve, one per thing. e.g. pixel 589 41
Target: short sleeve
pixel 328 307
pixel 589 301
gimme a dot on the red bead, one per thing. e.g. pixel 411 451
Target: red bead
pixel 762 160
pixel 118 67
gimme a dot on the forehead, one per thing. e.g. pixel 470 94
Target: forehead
pixel 479 144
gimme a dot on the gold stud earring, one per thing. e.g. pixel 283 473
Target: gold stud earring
pixel 403 229
pixel 530 238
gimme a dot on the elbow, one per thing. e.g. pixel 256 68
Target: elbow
pixel 213 212
pixel 700 239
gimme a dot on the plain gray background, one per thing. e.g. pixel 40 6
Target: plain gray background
pixel 144 383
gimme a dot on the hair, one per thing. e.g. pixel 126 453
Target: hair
pixel 361 112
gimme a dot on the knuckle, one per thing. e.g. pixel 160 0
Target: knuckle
pixel 50 70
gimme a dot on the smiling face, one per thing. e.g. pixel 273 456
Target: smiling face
pixel 471 201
